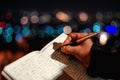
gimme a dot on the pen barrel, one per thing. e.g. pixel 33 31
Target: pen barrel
pixel 73 43
pixel 86 37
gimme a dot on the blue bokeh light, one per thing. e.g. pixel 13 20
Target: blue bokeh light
pixel 1 30
pixel 18 37
pixel 49 30
pixel 97 27
pixel 17 29
pixel 81 30
pixel 9 30
pixel 87 30
pixel 5 34
pixel 8 38
pixel 25 31
pixel 111 29
pixel 59 29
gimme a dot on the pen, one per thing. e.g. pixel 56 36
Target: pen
pixel 73 43
pixel 82 39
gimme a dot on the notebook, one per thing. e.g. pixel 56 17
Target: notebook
pixel 36 65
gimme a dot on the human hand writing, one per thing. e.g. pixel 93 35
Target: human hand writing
pixel 80 51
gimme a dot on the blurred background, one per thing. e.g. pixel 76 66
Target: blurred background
pixel 28 25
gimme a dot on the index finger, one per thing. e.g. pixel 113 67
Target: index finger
pixel 73 36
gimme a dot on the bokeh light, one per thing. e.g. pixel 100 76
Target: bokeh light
pixel 9 30
pixel 115 23
pixel 24 20
pixel 63 16
pixel 67 29
pixel 111 29
pixel 45 18
pixel 81 30
pixel 17 29
pixel 103 38
pixel 96 27
pixel 8 38
pixel 1 31
pixel 9 15
pixel 99 16
pixel 32 24
pixel 5 34
pixel 59 29
pixel 18 37
pixel 83 16
pixel 2 24
pixel 87 30
pixel 26 31
pixel 34 17
pixel 49 30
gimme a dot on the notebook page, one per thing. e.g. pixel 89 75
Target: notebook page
pixel 49 46
pixel 37 68
pixel 14 68
pixel 48 50
pixel 37 65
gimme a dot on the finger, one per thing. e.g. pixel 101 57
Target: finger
pixel 70 38
pixel 69 49
pixel 67 41
pixel 76 36
pixel 73 36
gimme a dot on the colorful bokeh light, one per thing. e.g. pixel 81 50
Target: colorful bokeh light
pixel 96 27
pixel 111 29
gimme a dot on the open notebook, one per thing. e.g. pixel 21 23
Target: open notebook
pixel 46 64
pixel 36 65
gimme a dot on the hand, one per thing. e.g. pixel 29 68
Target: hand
pixel 80 51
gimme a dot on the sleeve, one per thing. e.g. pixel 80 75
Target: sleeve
pixel 104 63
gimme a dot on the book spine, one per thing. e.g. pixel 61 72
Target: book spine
pixel 6 76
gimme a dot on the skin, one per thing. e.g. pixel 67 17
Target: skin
pixel 80 51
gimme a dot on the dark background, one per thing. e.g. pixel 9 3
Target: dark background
pixel 50 5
